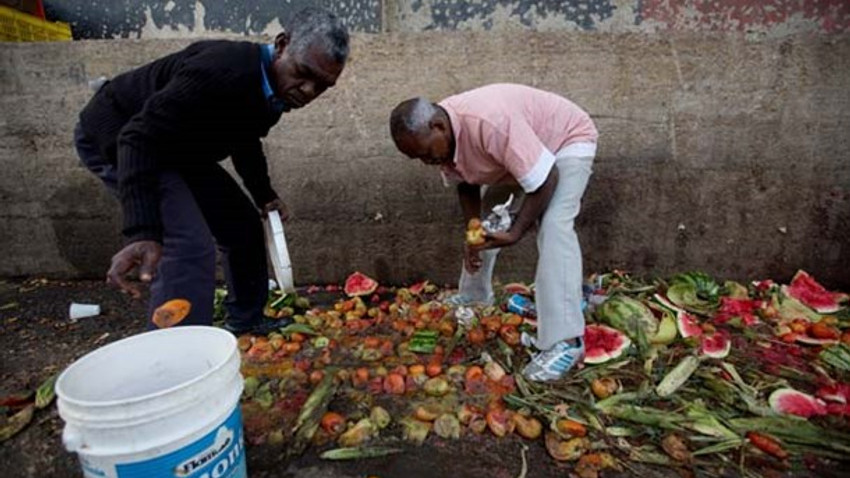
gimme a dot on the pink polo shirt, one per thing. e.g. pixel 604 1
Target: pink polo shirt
pixel 506 132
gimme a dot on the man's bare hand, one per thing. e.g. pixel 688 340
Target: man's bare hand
pixel 278 205
pixel 496 240
pixel 142 254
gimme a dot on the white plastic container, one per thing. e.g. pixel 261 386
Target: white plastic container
pixel 278 252
pixel 160 404
pixel 80 311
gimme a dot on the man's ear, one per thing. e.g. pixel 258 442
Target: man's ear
pixel 280 42
pixel 436 122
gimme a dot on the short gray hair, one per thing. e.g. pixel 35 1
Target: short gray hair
pixel 313 25
pixel 411 117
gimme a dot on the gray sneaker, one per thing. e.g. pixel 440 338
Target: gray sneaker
pixel 459 299
pixel 553 364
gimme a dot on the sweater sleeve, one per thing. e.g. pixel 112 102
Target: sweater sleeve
pixel 250 162
pixel 143 145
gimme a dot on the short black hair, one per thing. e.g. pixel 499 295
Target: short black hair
pixel 312 25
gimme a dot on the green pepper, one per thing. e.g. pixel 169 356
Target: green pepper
pixel 426 334
pixel 423 342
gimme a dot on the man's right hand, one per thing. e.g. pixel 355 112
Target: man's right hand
pixel 142 254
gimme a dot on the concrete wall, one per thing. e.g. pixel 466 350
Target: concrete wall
pixel 716 153
pixel 192 18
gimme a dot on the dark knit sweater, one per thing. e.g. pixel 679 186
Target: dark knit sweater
pixel 185 111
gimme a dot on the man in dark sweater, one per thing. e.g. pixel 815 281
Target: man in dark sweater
pixel 155 136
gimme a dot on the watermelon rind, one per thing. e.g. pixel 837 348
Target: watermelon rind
pixel 628 315
pixel 667 330
pixel 709 348
pixel 794 402
pixel 517 288
pixel 803 286
pixel 805 339
pixel 688 325
pixel 684 295
pixel 594 356
pixel 660 299
pixel 358 284
pixel 790 308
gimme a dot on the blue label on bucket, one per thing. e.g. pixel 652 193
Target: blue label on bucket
pixel 219 454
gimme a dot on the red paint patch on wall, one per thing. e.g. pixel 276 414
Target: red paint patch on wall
pixel 832 16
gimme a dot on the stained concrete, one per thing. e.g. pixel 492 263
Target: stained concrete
pixel 716 153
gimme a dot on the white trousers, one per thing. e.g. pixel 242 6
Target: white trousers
pixel 559 276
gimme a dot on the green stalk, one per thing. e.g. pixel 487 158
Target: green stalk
pixel 796 431
pixel 720 447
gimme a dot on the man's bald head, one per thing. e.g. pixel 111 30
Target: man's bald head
pixel 411 118
pixel 421 129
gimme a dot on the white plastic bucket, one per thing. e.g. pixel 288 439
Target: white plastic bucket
pixel 160 404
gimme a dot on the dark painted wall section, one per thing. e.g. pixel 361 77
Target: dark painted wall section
pixel 127 18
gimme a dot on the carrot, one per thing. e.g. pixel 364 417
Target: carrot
pixel 767 444
pixel 570 428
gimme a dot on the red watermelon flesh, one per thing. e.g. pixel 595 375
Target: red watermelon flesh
pixel 517 288
pixel 688 325
pixel 743 308
pixel 716 345
pixel 359 284
pixel 602 343
pixel 839 392
pixel 418 288
pixel 807 290
pixel 793 402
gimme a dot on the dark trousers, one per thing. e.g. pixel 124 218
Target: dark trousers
pixel 201 209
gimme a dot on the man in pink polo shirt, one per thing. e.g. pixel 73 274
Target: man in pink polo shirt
pixel 543 143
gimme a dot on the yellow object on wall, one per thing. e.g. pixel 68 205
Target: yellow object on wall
pixel 17 26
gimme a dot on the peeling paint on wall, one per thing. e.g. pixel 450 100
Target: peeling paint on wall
pixel 190 18
pixel 827 16
pixel 504 14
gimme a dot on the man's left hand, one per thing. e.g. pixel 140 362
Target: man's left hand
pixel 278 205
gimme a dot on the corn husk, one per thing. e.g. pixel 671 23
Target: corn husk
pixel 678 376
pixel 311 413
pixel 358 453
